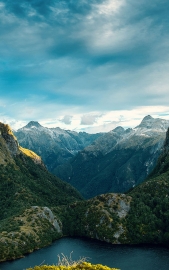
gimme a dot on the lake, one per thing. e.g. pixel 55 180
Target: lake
pixel 120 256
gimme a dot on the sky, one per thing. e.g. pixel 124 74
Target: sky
pixel 86 65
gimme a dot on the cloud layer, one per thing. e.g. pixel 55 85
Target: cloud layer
pixel 67 58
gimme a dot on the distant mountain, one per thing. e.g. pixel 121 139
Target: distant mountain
pixel 55 145
pixel 117 160
pixel 140 216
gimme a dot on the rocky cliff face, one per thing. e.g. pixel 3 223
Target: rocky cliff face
pixel 162 165
pixel 11 148
pixel 10 140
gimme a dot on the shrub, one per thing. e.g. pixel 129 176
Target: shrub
pixel 82 266
pixel 67 263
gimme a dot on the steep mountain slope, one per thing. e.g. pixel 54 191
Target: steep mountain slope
pixel 140 216
pixel 116 161
pixel 148 220
pixel 27 192
pixel 54 145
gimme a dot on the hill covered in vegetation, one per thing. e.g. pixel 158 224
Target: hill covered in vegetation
pixel 28 192
pixel 148 219
pixel 139 216
pixel 36 207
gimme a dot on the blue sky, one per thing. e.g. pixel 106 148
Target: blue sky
pixel 83 65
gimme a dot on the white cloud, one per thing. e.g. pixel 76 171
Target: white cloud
pixel 110 6
pixel 67 119
pixel 89 119
pixel 95 121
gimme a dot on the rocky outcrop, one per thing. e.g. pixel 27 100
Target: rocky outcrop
pixel 102 218
pixel 11 141
pixel 37 159
pixel 11 148
pixel 37 227
pixel 113 209
pixel 46 213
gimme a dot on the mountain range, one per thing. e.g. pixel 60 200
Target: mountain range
pixel 36 207
pixel 139 216
pixel 116 161
pixel 94 164
pixel 55 145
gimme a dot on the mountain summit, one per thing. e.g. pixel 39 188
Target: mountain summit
pixel 153 124
pixel 32 124
pixel 147 117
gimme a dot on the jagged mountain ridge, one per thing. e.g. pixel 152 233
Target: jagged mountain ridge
pixel 118 160
pixel 55 145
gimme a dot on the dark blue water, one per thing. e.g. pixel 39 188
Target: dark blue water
pixel 123 257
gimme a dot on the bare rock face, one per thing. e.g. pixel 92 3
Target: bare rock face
pixel 11 148
pixel 46 213
pixel 166 144
pixel 37 159
pixel 10 139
